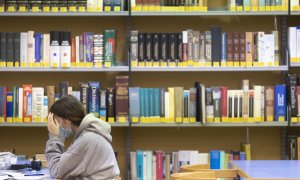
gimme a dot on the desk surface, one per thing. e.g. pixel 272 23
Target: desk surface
pixel 268 168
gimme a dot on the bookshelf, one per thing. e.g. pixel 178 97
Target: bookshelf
pixel 208 69
pixel 45 124
pixel 64 14
pixel 210 13
pixel 75 69
pixel 266 138
pixel 295 13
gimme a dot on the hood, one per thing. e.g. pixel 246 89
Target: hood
pixel 91 123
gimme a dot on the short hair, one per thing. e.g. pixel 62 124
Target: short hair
pixel 69 107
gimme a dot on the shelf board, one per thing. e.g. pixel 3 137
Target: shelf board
pixel 123 13
pixel 295 65
pixel 262 124
pixel 45 124
pixel 193 69
pixel 295 124
pixel 295 13
pixel 209 13
pixel 21 69
pixel 166 125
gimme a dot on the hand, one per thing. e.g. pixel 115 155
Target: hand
pixel 53 125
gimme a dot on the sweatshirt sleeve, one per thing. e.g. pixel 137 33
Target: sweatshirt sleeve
pixel 60 163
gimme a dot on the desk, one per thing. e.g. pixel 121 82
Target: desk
pixel 19 175
pixel 265 169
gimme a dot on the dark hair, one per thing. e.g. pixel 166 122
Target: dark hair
pixel 69 107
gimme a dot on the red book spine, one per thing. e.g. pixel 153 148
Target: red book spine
pixel 73 50
pixel 27 97
pixel 224 101
pixel 159 165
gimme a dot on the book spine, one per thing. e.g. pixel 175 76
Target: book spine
pixel 103 105
pixel 216 50
pixel 81 49
pixel 184 46
pixel 110 46
pixel 280 102
pixel 190 45
pixel 51 96
pixel 249 47
pixel 148 47
pixel 110 103
pixel 155 47
pixel 224 48
pixel 9 107
pixel 27 103
pixel 224 102
pixel 17 53
pixel 73 50
pixel 10 47
pixel 15 103
pixel 236 47
pixel 229 47
pixel 242 48
pixel 162 101
pixel 20 105
pixel 292 94
pixel 134 45
pixel 269 103
pixel 23 53
pixel 208 45
pixel 141 42
pixel 46 49
pixel 54 48
pixel 134 101
pixel 159 165
pixel 276 47
pixel 84 96
pixel 122 101
pixel 63 89
pixel 38 41
pixel 77 50
pixel 3 48
pixel 37 104
pixel 196 46
pixel 163 47
pixel 298 100
pixel 93 94
pixel 180 47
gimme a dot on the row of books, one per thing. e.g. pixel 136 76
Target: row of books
pixel 57 49
pixel 62 5
pixel 159 165
pixel 294 147
pixel 258 5
pixel 30 104
pixel 211 48
pixel 294 44
pixel 208 104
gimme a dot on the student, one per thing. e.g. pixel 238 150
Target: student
pixel 91 155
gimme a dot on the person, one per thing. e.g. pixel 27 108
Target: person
pixel 91 155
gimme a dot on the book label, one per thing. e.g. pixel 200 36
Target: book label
pixel 81 9
pixel 134 64
pixel 46 9
pixel 72 9
pixel 172 64
pixel 192 120
pixel 294 119
pixel 255 8
pixel 111 120
pixel 208 64
pixel 270 118
pixel 22 8
pixel 229 63
pixel 223 64
pixel 217 120
pixel 281 119
pixel 63 9
pixel 178 120
pixel 54 9
pixel 10 64
pixel 107 64
pixel 247 8
pixel 122 120
pixel 163 64
pixel 141 64
pixel 135 119
pixel 262 8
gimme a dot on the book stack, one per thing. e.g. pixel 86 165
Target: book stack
pixel 160 165
pixel 58 49
pixel 208 104
pixel 62 6
pixel 169 6
pixel 25 104
pixel 258 5
pixel 210 48
pixel 295 5
pixel 294 147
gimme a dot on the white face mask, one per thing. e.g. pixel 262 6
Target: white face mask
pixel 65 132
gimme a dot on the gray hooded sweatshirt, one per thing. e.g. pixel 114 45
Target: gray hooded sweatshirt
pixel 90 156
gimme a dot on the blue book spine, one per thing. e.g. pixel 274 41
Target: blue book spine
pixel 215 159
pixel 157 102
pixel 262 2
pixel 224 50
pixel 142 102
pixel 147 102
pixel 151 101
pixel 89 47
pixel 139 165
pixel 38 52
pixel 9 104
pixel 94 93
pixel 2 101
pixel 134 102
pixel 242 156
pixel 280 102
pixel 102 103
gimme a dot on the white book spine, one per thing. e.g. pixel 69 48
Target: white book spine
pixel 261 46
pixel 98 5
pixel 194 157
pixel 54 56
pixel 65 56
pixel 46 50
pixel 45 108
pixel 91 5
pixel 167 103
pixel 77 49
pixel 37 104
pixel 20 103
pixel 298 43
pixel 270 49
pixel 232 3
pixel 262 110
pixel 294 3
pixel 203 158
pixel 292 37
pixel 23 48
pixel 145 165
pixel 257 102
pixel 133 3
pixel 30 47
